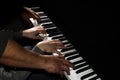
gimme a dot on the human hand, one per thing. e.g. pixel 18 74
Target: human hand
pixel 50 46
pixel 29 13
pixel 57 64
pixel 32 32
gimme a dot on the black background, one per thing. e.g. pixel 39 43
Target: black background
pixel 92 27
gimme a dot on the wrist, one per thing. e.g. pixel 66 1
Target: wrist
pixel 42 62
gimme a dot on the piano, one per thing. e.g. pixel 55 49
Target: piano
pixel 82 70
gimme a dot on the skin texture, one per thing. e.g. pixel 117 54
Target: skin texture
pixel 17 56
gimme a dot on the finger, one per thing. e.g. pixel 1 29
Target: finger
pixel 58 45
pixel 41 30
pixel 66 69
pixel 67 63
pixel 61 57
pixel 55 51
pixel 57 40
pixel 36 16
pixel 37 36
pixel 40 26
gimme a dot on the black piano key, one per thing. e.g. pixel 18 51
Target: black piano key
pixel 51 34
pixel 48 25
pixel 87 75
pixel 45 20
pixel 43 17
pixel 83 69
pixel 42 14
pixel 67 48
pixel 54 30
pixel 80 65
pixel 62 38
pixel 94 78
pixel 37 9
pixel 68 45
pixel 73 57
pixel 50 28
pixel 57 37
pixel 65 42
pixel 77 62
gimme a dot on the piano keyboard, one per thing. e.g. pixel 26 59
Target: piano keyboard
pixel 82 70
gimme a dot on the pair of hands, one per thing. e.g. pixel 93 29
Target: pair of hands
pixel 32 32
pixel 49 46
pixel 54 64
pixel 29 13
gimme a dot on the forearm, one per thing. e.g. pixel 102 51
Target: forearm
pixel 17 56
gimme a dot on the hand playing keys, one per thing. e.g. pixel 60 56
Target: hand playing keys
pixel 43 34
pixel 52 46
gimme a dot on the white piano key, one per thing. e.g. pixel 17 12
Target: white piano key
pixel 40 12
pixel 81 68
pixel 70 46
pixel 46 23
pixel 73 75
pixel 35 8
pixel 64 41
pixel 77 59
pixel 67 52
pixel 91 77
pixel 59 35
pixel 72 55
pixel 34 21
pixel 50 28
pixel 84 73
pixel 45 19
pixel 43 16
pixel 66 45
pixel 80 63
pixel 98 79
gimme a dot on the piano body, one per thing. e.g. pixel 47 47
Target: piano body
pixel 82 70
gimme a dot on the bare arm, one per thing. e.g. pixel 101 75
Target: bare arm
pixel 17 56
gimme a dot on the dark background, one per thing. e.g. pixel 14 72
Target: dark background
pixel 92 27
